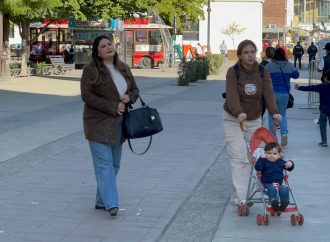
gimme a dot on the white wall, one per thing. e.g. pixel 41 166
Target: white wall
pixel 17 38
pixel 247 14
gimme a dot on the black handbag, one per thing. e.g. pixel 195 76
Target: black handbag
pixel 291 98
pixel 141 122
pixel 291 101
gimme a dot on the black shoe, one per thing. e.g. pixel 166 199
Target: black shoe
pixel 113 211
pixel 284 204
pixel 323 144
pixel 275 205
pixel 99 207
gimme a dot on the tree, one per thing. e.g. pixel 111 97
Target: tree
pixel 25 12
pixel 233 30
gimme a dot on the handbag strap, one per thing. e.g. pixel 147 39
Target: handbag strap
pixel 286 86
pixel 130 146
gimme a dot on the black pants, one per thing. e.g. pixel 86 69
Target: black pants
pixel 297 56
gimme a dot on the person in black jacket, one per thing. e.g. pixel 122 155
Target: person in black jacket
pixel 298 52
pixel 312 50
pixel 324 64
pixel 271 168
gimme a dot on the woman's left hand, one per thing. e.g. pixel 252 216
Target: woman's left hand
pixel 277 118
pixel 124 98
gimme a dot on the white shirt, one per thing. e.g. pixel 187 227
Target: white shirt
pixel 118 79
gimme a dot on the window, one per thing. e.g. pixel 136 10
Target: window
pixel 154 37
pixel 190 31
pixel 141 36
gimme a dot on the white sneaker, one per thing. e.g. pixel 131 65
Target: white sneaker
pixel 236 201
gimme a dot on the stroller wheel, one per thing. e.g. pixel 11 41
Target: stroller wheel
pixel 259 219
pixel 249 204
pixel 300 219
pixel 293 220
pixel 278 214
pixel 266 220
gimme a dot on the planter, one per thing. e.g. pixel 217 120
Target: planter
pixel 232 55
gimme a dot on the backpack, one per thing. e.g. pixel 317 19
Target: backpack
pixel 237 74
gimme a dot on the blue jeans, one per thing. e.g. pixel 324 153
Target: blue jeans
pixel 283 192
pixel 106 160
pixel 323 126
pixel 281 102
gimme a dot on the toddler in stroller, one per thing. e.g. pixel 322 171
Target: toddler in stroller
pixel 271 179
pixel 271 167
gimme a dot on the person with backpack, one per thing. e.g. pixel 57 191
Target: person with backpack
pixel 298 52
pixel 243 105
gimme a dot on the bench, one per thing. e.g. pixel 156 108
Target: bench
pixel 57 65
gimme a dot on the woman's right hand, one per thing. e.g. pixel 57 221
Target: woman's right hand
pixel 121 108
pixel 241 117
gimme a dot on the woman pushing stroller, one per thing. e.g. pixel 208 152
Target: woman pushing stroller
pixel 245 95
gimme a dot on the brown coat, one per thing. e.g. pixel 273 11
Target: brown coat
pixel 245 95
pixel 101 102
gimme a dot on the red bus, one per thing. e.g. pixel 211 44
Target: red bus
pixel 145 46
pixel 141 44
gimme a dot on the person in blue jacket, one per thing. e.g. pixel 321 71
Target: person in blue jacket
pixel 271 168
pixel 281 71
pixel 324 90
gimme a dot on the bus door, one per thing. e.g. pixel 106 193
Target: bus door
pixel 129 47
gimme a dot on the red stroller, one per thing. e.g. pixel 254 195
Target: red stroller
pixel 264 136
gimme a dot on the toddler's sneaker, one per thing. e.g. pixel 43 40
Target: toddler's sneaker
pixel 323 144
pixel 275 205
pixel 284 140
pixel 284 204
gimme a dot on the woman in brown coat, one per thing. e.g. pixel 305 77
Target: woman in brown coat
pixel 107 85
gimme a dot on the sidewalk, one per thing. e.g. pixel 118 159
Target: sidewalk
pixel 178 191
pixel 309 182
pixel 46 178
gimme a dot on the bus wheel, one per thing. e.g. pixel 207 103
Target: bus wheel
pixel 146 63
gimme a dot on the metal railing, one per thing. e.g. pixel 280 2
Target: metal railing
pixel 314 78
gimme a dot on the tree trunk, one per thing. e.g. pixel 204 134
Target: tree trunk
pixel 25 47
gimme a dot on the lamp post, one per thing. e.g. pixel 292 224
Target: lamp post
pixel 208 26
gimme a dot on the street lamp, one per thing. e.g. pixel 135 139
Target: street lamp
pixel 208 26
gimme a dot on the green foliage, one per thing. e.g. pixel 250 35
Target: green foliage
pixel 186 10
pixel 15 65
pixel 214 62
pixel 232 31
pixel 191 71
pixel 39 68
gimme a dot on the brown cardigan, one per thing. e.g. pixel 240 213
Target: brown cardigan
pixel 245 95
pixel 101 102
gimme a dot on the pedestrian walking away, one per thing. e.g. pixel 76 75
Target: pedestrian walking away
pixel 244 98
pixel 298 52
pixel 281 71
pixel 223 48
pixel 269 56
pixel 107 86
pixel 324 90
pixel 271 167
pixel 312 51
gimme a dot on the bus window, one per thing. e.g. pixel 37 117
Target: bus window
pixel 154 37
pixel 141 36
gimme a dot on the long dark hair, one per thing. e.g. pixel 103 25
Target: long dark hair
pixel 96 60
pixel 279 54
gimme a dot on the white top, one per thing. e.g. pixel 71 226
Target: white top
pixel 118 79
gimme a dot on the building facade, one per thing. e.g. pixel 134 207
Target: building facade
pixel 246 14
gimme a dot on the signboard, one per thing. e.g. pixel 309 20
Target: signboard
pixel 96 24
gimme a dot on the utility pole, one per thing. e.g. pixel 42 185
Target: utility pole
pixel 208 26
